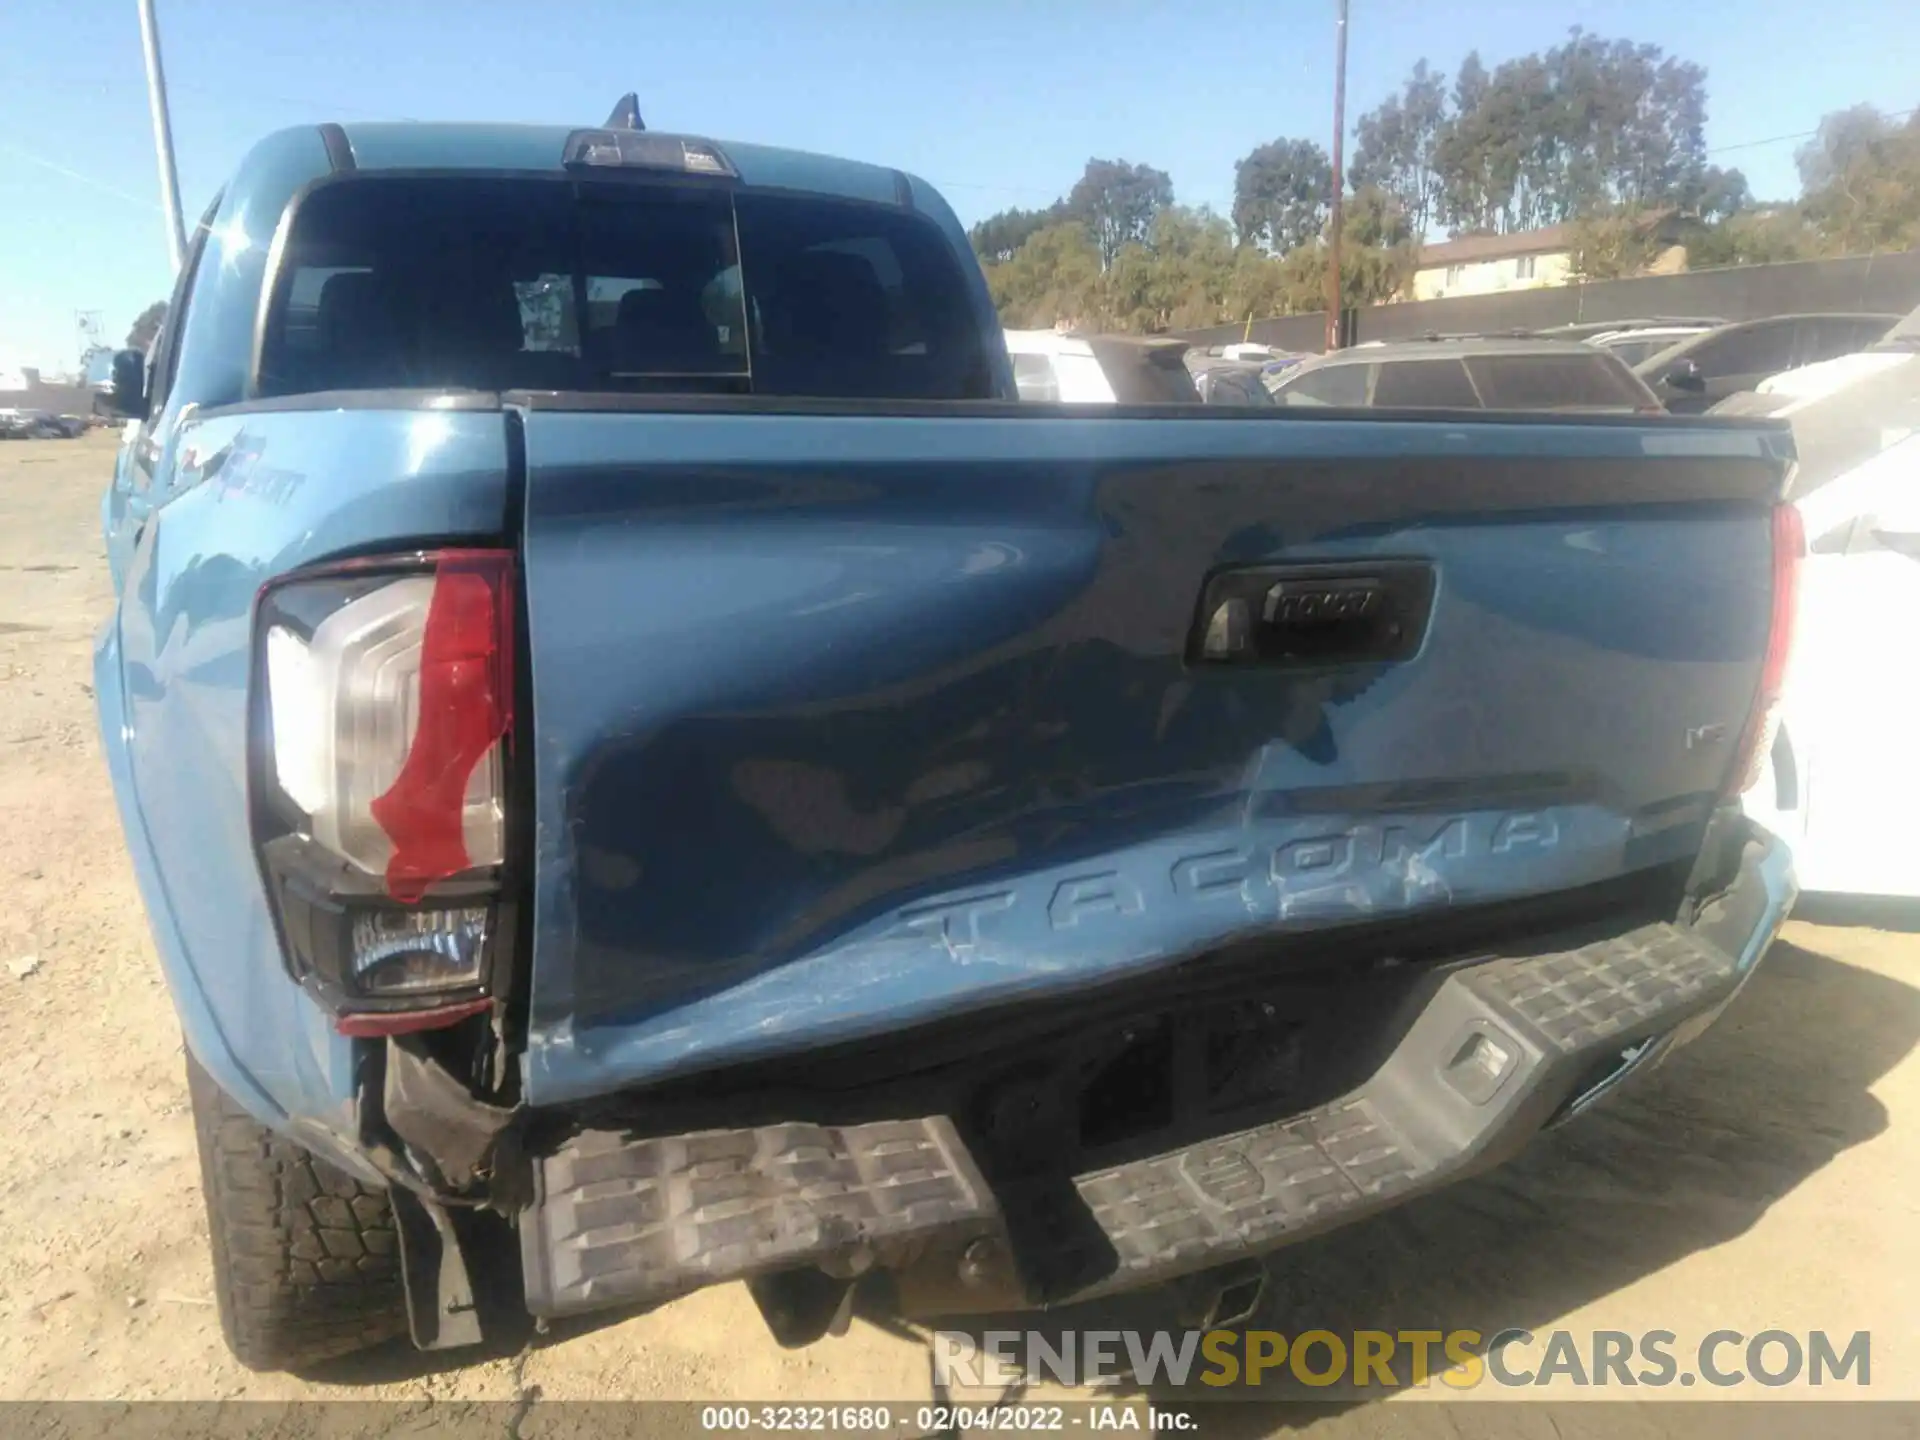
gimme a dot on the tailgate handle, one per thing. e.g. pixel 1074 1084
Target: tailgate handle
pixel 1313 615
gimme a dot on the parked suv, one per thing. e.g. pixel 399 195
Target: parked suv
pixel 1469 375
pixel 1693 376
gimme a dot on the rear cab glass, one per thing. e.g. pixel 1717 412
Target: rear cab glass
pixel 505 283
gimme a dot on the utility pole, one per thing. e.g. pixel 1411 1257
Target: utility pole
pixel 1339 180
pixel 162 135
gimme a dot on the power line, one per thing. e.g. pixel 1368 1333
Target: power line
pixel 1002 189
pixel 1798 135
pixel 75 175
pixel 228 92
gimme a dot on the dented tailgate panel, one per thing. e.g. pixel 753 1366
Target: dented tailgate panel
pixel 844 723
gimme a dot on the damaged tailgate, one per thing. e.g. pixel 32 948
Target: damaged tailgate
pixel 844 722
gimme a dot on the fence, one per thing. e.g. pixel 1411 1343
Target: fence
pixel 1861 284
pixel 43 395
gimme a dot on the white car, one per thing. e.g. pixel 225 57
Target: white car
pixel 1049 366
pixel 1065 369
pixel 1793 390
pixel 1842 784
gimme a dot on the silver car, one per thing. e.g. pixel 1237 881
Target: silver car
pixel 1478 374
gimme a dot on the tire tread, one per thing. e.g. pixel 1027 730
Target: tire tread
pixel 306 1259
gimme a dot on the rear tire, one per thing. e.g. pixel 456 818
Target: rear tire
pixel 306 1259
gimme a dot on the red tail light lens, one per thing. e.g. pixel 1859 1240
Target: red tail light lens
pixel 389 700
pixel 383 721
pixel 1789 552
pixel 464 709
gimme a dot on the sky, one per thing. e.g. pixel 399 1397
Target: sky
pixel 998 102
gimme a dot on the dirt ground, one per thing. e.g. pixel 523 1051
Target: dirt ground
pixel 1766 1179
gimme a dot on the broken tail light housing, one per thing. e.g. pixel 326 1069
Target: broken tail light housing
pixel 382 725
pixel 1756 741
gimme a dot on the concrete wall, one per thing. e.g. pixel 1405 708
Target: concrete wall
pixel 60 399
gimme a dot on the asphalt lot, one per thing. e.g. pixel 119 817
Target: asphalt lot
pixel 1766 1179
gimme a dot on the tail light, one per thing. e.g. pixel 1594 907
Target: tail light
pixel 382 721
pixel 1756 741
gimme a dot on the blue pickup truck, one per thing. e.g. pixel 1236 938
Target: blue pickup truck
pixel 648 767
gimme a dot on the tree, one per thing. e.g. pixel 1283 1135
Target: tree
pixel 1590 125
pixel 1611 245
pixel 1843 139
pixel 1260 285
pixel 1764 236
pixel 1461 154
pixel 1502 153
pixel 1396 145
pixel 1280 194
pixel 997 237
pixel 1179 279
pixel 1188 272
pixel 1375 219
pixel 1718 195
pixel 1054 278
pixel 1604 135
pixel 1861 178
pixel 146 325
pixel 1117 203
pixel 1659 149
pixel 1377 257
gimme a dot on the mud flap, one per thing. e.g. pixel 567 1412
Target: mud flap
pixel 441 1310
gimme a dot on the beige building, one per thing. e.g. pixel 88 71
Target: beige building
pixel 1486 264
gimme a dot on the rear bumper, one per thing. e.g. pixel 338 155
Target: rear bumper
pixel 1501 1050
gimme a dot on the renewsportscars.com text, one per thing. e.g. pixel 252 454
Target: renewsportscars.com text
pixel 1390 1359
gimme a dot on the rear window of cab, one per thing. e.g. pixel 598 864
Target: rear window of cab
pixel 494 283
